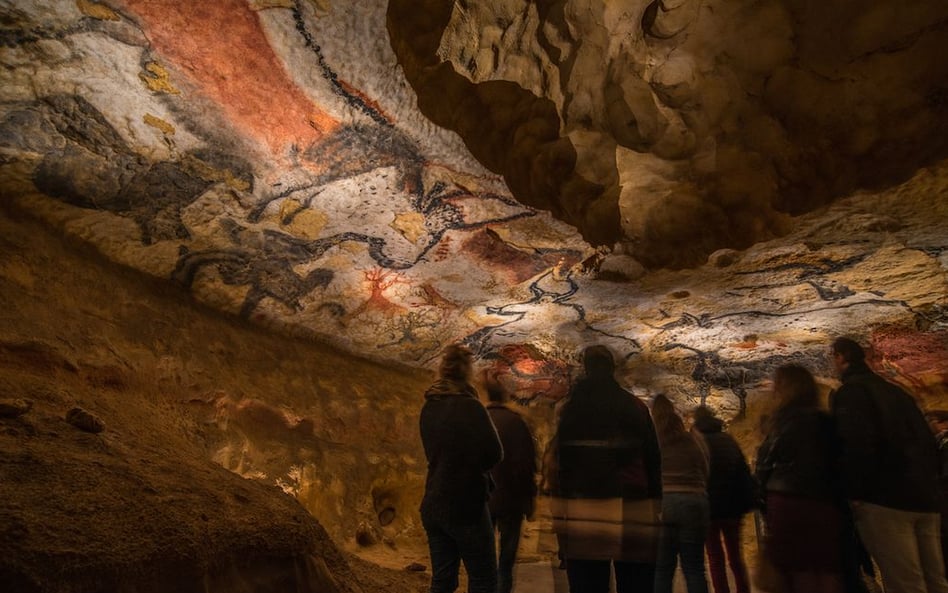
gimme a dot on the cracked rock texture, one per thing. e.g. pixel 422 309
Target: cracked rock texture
pixel 701 124
pixel 328 193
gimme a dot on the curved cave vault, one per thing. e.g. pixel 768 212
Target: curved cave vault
pixel 287 163
pixel 695 124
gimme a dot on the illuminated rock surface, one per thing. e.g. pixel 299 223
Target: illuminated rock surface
pixel 383 179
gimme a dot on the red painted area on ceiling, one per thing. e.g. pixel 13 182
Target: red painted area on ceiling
pixel 515 264
pixel 918 359
pixel 531 373
pixel 221 46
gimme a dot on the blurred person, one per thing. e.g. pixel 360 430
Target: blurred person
pixel 515 489
pixel 685 508
pixel 607 485
pixel 796 470
pixel 732 493
pixel 938 421
pixel 890 467
pixel 461 446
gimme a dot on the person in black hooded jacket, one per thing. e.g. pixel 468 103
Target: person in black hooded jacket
pixel 731 493
pixel 461 446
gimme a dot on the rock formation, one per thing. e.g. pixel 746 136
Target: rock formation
pixel 322 195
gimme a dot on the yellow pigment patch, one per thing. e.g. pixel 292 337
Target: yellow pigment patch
pixel 322 6
pixel 411 225
pixel 156 78
pixel 159 124
pixel 96 10
pixel 307 222
pixel 265 4
pixel 205 171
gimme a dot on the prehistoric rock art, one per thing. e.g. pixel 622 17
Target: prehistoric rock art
pixel 275 179
pixel 711 188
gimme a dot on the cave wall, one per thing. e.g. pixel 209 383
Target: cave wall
pixel 669 117
pixel 262 220
pixel 176 383
pixel 288 163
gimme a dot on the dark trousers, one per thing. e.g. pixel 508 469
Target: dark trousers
pixel 592 576
pixel 685 520
pixel 509 529
pixel 452 542
pixel 853 555
pixel 728 530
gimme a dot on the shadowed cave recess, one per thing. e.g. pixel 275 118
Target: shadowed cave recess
pixel 238 234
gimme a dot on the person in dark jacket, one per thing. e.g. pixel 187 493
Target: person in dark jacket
pixel 795 468
pixel 515 488
pixel 731 493
pixel 461 446
pixel 938 421
pixel 685 512
pixel 889 465
pixel 608 483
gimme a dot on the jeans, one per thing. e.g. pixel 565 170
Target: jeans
pixel 730 531
pixel 592 576
pixel 450 542
pixel 906 546
pixel 685 522
pixel 509 529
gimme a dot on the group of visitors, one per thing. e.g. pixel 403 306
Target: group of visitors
pixel 635 492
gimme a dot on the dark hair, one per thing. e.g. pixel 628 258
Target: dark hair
pixel 795 387
pixel 849 349
pixel 703 413
pixel 598 361
pixel 496 392
pixel 456 363
pixel 668 424
pixel 937 416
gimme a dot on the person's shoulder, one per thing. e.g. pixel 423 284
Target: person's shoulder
pixel 852 391
pixel 503 411
pixel 632 403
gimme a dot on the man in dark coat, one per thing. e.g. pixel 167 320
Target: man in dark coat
pixel 608 483
pixel 515 486
pixel 889 467
pixel 461 446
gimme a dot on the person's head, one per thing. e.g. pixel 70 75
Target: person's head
pixel 496 392
pixel 668 423
pixel 705 420
pixel 703 413
pixel 598 361
pixel 457 363
pixel 846 353
pixel 795 386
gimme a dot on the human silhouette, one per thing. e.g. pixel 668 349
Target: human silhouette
pixel 461 446
pixel 796 470
pixel 515 490
pixel 731 494
pixel 607 484
pixel 890 473
pixel 685 510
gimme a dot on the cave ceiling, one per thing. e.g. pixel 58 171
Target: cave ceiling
pixel 709 187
